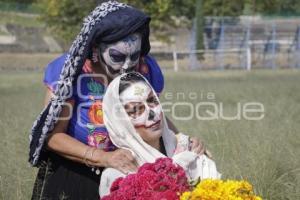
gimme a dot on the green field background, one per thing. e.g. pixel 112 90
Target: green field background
pixel 264 152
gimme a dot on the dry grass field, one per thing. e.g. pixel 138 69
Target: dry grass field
pixel 266 152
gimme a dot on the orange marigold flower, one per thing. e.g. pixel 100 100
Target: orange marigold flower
pixel 96 113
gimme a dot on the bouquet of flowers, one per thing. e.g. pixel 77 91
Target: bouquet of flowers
pixel 209 189
pixel 166 180
pixel 159 180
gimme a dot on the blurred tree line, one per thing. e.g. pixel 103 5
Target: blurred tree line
pixel 65 17
pixel 21 6
pixel 18 1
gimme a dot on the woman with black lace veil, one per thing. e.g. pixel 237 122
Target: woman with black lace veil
pixel 69 142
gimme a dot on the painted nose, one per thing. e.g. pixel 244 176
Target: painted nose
pixel 128 67
pixel 124 68
pixel 151 115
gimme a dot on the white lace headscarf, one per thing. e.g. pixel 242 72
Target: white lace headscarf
pixel 122 132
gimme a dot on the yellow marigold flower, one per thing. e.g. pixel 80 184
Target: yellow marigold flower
pixel 210 189
pixel 185 196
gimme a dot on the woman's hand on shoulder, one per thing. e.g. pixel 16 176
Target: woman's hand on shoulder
pixel 197 146
pixel 120 159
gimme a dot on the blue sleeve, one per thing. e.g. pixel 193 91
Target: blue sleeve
pixel 154 74
pixel 53 70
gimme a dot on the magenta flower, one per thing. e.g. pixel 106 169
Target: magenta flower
pixel 160 180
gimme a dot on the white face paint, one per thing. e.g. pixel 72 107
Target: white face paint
pixel 122 56
pixel 141 105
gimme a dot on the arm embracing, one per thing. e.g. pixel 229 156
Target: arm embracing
pixel 65 145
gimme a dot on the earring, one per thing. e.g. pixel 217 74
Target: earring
pixel 95 56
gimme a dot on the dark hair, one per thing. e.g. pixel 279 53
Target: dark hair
pixel 129 79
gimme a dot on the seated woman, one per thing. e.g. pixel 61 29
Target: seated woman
pixel 135 121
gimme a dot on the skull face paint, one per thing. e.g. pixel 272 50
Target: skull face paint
pixel 141 105
pixel 122 56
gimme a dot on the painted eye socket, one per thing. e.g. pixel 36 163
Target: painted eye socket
pixel 135 110
pixel 116 56
pixel 152 101
pixel 135 56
